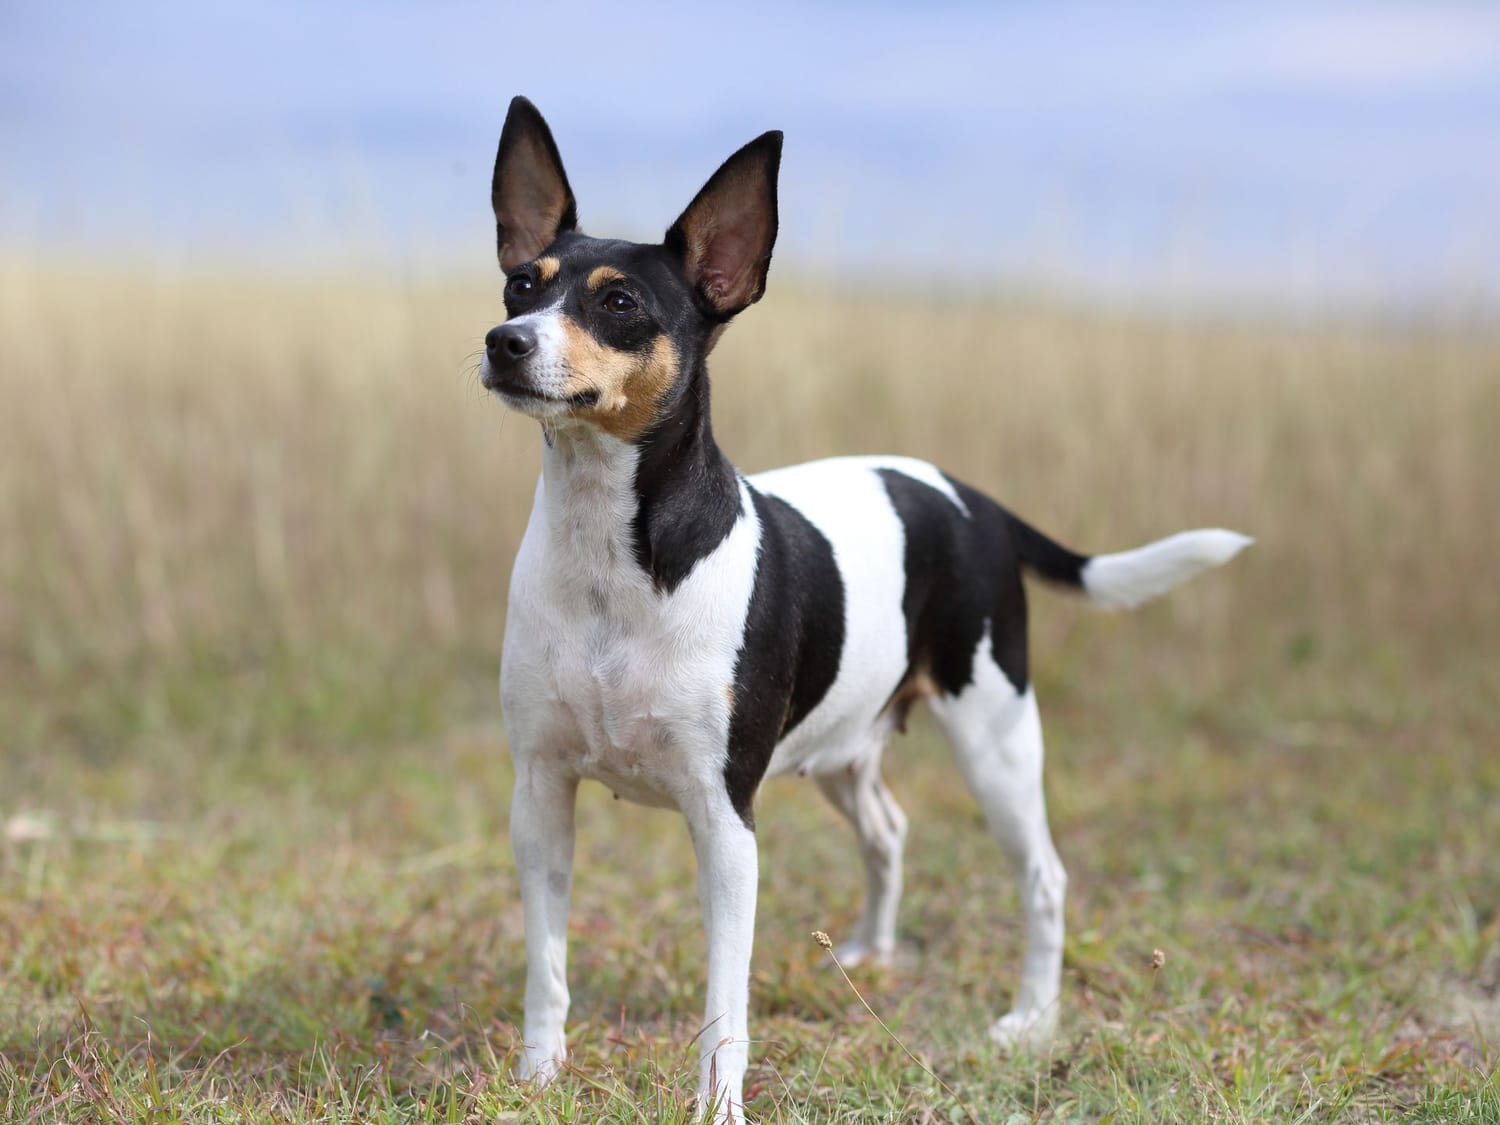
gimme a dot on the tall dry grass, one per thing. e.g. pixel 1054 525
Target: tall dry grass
pixel 250 527
pixel 203 463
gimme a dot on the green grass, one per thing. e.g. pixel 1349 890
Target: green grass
pixel 253 784
pixel 331 933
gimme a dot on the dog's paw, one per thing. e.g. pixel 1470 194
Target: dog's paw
pixel 1022 1031
pixel 539 1067
pixel 725 1111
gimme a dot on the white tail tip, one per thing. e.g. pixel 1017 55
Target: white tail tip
pixel 1128 578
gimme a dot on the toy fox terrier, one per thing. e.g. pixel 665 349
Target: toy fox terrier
pixel 680 632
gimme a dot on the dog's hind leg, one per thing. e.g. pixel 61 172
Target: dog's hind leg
pixel 859 793
pixel 997 737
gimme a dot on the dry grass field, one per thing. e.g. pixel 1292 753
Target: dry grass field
pixel 255 535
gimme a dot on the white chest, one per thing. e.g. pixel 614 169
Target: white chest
pixel 611 679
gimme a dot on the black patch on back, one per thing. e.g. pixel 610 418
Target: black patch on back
pixel 794 639
pixel 962 572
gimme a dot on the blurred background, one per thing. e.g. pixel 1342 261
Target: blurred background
pixel 1129 268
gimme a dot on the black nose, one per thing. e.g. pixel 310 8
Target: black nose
pixel 508 343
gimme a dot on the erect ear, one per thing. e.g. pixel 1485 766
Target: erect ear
pixel 533 203
pixel 725 236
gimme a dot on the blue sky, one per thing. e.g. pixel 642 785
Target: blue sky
pixel 1295 151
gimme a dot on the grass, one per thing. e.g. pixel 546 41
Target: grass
pixel 255 536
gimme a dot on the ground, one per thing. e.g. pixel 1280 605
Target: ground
pixel 253 782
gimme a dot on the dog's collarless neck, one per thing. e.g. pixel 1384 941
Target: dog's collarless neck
pixel 587 495
pixel 688 494
pixel 669 498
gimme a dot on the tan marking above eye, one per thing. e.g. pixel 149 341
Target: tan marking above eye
pixel 546 269
pixel 603 275
pixel 630 385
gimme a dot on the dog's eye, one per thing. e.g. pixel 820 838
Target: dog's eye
pixel 619 302
pixel 519 285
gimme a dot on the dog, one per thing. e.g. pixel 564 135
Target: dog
pixel 680 632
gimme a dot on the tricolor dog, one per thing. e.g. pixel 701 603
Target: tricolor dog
pixel 680 633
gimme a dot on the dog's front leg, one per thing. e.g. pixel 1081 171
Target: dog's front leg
pixel 727 878
pixel 541 833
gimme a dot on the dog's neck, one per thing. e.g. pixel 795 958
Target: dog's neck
pixel 588 500
pixel 659 503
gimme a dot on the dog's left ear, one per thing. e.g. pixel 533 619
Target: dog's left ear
pixel 724 238
pixel 530 193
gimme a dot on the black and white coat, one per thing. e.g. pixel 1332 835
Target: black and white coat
pixel 680 632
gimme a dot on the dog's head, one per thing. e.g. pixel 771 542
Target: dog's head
pixel 607 333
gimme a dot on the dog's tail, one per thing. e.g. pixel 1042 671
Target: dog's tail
pixel 1127 578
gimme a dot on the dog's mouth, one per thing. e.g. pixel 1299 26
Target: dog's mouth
pixel 509 387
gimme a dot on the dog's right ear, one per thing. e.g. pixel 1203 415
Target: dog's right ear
pixel 533 203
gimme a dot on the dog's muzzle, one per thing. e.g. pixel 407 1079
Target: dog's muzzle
pixel 506 347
